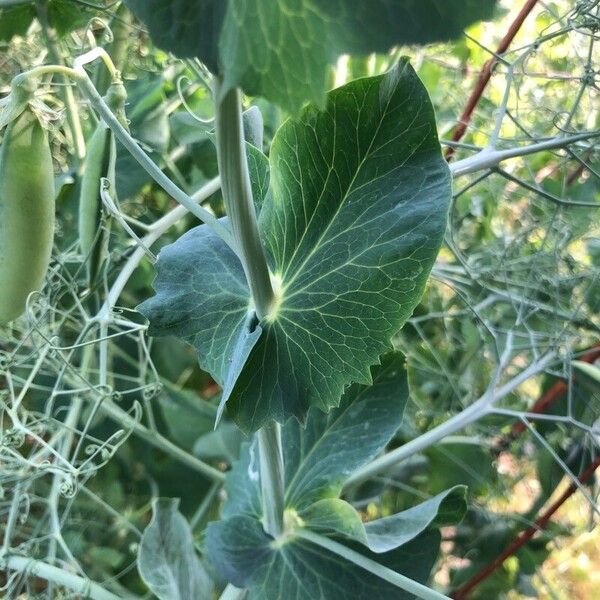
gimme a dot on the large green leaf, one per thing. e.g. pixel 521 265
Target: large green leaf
pixel 247 557
pixel 321 456
pixel 358 209
pixel 318 460
pixel 353 222
pixel 167 559
pixel 186 28
pixel 281 49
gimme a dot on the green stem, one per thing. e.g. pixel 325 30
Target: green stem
pixel 232 593
pixel 158 441
pixel 469 415
pixel 146 162
pixel 400 581
pixel 272 478
pixel 120 26
pixel 237 194
pixel 75 583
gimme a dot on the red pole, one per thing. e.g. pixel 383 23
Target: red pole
pixel 462 592
pixel 486 74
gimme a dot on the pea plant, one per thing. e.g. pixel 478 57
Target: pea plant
pixel 392 293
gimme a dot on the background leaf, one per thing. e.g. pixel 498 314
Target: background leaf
pixel 167 559
pixel 186 28
pixel 282 50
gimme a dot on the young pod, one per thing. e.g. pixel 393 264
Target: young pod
pixel 26 212
pixel 99 162
pixel 95 166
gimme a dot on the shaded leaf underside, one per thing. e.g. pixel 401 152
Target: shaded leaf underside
pixel 281 49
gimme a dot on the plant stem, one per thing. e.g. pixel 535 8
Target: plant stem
pixel 232 593
pixel 120 25
pixel 490 159
pixel 360 560
pixel 72 111
pixel 37 568
pixel 156 231
pixel 469 415
pixel 121 417
pixel 237 194
pixel 239 203
pixel 144 160
pixel 272 477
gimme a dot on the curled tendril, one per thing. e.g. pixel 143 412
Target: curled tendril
pixel 68 486
pixel 203 122
pixel 93 449
pixel 96 23
pixel 12 438
pixel 151 391
pixel 6 361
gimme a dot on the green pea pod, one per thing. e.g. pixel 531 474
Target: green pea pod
pixel 95 167
pixel 26 212
pixel 99 162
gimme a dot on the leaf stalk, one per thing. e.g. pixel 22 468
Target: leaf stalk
pixel 272 478
pixel 237 195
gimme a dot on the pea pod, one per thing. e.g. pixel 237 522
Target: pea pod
pixel 26 212
pixel 95 166
pixel 99 162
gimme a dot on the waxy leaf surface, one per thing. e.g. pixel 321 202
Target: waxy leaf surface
pixel 167 559
pixel 281 49
pixel 318 460
pixel 352 224
pixel 245 556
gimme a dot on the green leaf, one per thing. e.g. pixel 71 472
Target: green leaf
pixel 447 508
pixel 282 50
pixel 334 515
pixel 186 415
pixel 223 444
pixel 16 20
pixel 318 460
pixel 352 224
pixel 358 210
pixel 387 533
pixel 294 568
pixel 186 28
pixel 167 559
pixel 454 463
pixel 588 369
pixel 321 456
